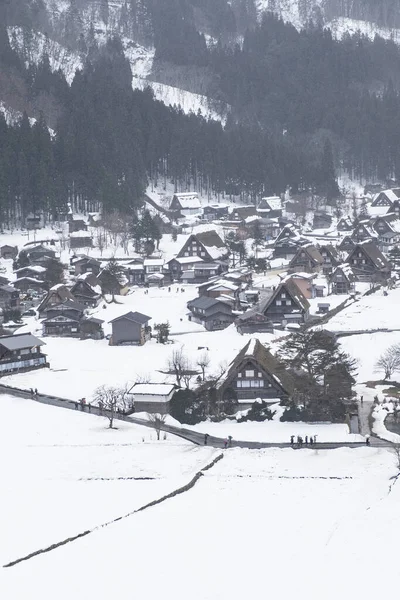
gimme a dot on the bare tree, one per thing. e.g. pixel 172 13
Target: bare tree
pixel 157 421
pixel 177 364
pixel 110 400
pixel 203 362
pixel 389 362
pixel 100 241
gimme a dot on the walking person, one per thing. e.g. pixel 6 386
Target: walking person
pixel 292 440
pixel 36 392
pixel 362 400
pixel 229 441
pixel 225 443
pixel 89 407
pixel 367 441
pixel 205 439
pixel 311 440
pixel 76 405
pixel 306 439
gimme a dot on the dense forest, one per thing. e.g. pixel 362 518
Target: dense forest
pixel 302 106
pixel 111 139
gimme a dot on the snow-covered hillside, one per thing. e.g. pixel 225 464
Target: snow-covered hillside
pixel 33 47
pixel 300 12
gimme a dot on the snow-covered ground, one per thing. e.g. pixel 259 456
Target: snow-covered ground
pixel 366 349
pixel 275 431
pixel 302 524
pixel 370 312
pixel 64 471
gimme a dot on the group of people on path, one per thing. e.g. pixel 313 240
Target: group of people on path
pixel 309 440
pixel 227 440
pixel 82 403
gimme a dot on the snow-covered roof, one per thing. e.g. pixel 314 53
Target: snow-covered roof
pixel 252 219
pixel 34 268
pixel 222 283
pixel 188 200
pixel 80 234
pixel 153 262
pixel 274 202
pixel 189 259
pixel 152 389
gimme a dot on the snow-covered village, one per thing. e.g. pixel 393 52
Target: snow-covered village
pixel 134 360
pixel 199 299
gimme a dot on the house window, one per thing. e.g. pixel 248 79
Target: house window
pixel 186 253
pixel 249 373
pixel 288 302
pixel 259 374
pixel 239 375
pixel 279 302
pixel 202 253
pixel 283 295
pixel 363 261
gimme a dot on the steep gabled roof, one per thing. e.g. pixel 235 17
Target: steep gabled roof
pixel 312 252
pixel 372 252
pixel 294 292
pixel 347 272
pixel 331 250
pixel 258 353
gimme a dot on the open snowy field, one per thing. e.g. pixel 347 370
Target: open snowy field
pixel 289 524
pixel 275 431
pixel 370 312
pixel 63 472
pixel 366 349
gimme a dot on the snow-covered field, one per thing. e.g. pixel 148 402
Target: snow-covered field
pixel 370 312
pixel 366 349
pixel 293 524
pixel 63 472
pixel 275 431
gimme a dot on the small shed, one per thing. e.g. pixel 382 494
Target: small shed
pixel 8 252
pixel 151 397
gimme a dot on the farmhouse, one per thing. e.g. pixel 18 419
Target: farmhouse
pixel 330 257
pixel 270 207
pixel 58 294
pixel 287 304
pixel 85 264
pixel 254 373
pixel 21 352
pixel 343 280
pixel 368 263
pixel 386 197
pixel 86 294
pixel 9 297
pixel 186 203
pixel 308 259
pixel 39 255
pixel 130 328
pixel 212 313
pixel 207 245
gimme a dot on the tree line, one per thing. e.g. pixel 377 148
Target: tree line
pixel 109 140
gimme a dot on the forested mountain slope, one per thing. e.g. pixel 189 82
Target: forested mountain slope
pixel 295 104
